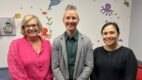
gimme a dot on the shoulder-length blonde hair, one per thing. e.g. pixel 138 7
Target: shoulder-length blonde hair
pixel 26 19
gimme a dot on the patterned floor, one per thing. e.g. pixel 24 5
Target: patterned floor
pixel 4 75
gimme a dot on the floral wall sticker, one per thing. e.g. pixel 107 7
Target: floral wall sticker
pixel 47 31
pixel 44 33
pixel 17 15
pixel 120 40
pixel 126 3
pixel 116 15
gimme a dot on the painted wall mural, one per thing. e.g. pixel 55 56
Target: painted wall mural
pixel 93 15
pixel 107 9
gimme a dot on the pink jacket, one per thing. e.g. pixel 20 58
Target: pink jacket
pixel 25 64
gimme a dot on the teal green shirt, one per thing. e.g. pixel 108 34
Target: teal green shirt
pixel 71 47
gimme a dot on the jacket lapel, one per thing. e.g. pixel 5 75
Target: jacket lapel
pixel 79 49
pixel 64 52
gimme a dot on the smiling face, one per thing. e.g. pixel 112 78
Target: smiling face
pixel 70 20
pixel 110 35
pixel 31 29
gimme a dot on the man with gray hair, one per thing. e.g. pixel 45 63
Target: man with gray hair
pixel 72 52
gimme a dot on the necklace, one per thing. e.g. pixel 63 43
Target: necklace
pixel 37 46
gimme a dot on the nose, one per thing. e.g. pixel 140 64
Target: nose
pixel 70 20
pixel 30 27
pixel 108 35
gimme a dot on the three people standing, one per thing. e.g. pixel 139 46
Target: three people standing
pixel 73 58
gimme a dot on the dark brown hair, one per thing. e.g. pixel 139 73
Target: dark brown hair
pixel 111 23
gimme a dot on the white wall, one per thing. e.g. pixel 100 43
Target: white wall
pixel 91 19
pixel 135 39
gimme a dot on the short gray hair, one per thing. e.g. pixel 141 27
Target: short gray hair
pixel 70 7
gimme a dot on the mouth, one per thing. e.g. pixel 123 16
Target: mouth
pixel 32 31
pixel 109 40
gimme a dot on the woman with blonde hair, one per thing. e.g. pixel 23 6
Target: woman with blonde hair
pixel 29 57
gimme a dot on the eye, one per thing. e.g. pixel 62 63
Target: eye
pixel 74 17
pixel 112 32
pixel 105 33
pixel 67 17
pixel 31 25
pixel 34 25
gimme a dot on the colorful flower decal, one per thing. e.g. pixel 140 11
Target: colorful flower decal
pixel 17 15
pixel 44 33
pixel 44 13
pixel 126 3
pixel 116 15
pixel 49 23
pixel 120 40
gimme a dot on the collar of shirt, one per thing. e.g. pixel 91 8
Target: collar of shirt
pixel 75 36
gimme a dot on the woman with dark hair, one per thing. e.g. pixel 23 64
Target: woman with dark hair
pixel 113 61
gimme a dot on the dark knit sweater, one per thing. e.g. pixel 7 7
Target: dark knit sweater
pixel 119 64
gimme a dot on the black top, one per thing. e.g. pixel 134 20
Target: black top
pixel 120 64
